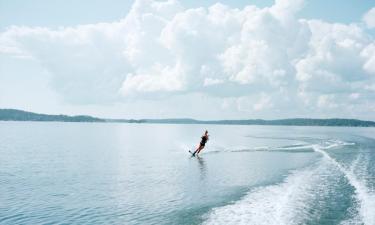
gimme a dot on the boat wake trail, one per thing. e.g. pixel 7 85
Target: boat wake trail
pixel 285 203
pixel 289 148
pixel 365 197
pixel 307 196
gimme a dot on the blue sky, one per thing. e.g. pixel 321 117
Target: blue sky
pixel 198 59
pixel 54 13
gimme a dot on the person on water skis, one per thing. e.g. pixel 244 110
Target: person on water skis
pixel 202 143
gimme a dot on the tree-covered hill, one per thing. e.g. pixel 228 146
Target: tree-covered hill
pixel 19 115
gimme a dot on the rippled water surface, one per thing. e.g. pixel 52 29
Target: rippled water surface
pixel 108 173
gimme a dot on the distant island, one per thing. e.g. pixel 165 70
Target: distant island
pixel 20 115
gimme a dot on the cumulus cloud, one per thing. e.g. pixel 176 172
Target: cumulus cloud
pixel 368 53
pixel 326 101
pixel 369 18
pixel 159 78
pixel 253 60
pixel 333 57
pixel 84 61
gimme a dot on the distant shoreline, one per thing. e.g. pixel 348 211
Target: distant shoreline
pixel 20 115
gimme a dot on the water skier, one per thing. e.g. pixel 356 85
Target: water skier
pixel 202 143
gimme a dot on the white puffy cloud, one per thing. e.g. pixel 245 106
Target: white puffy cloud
pixel 368 53
pixel 333 57
pixel 254 103
pixel 83 61
pixel 159 78
pixel 369 18
pixel 254 61
pixel 327 101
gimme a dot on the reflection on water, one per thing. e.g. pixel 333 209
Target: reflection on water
pixel 202 167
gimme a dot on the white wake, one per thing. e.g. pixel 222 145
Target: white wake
pixel 365 197
pixel 289 201
pixel 285 203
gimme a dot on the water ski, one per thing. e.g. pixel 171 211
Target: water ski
pixel 192 153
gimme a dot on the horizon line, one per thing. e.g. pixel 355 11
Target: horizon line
pixel 187 118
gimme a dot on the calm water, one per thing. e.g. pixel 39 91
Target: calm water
pixel 94 173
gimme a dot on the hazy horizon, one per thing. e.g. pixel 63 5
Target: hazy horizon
pixel 189 118
pixel 211 60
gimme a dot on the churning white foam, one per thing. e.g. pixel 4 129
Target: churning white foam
pixel 285 203
pixel 365 197
pixel 288 202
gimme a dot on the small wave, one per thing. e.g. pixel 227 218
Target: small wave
pixel 288 148
pixel 308 139
pixel 280 204
pixel 364 196
pixel 289 202
pixel 333 143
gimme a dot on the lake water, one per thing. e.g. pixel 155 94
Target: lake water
pixel 112 173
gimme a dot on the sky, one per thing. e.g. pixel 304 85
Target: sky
pixel 189 59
